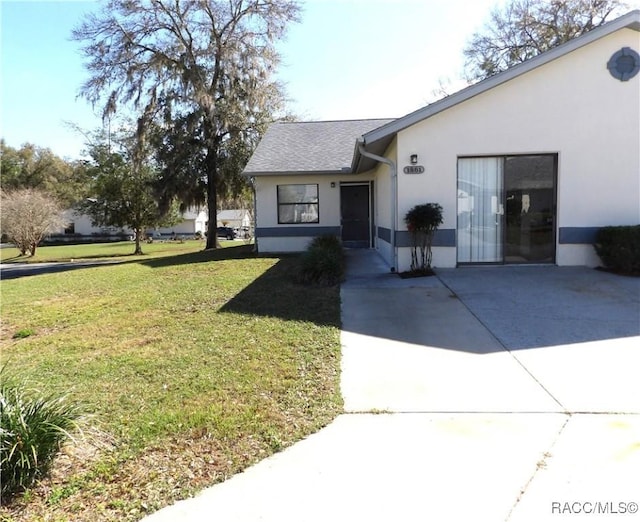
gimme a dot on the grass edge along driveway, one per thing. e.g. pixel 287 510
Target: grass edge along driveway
pixel 190 366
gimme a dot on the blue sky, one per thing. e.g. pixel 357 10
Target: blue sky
pixel 346 59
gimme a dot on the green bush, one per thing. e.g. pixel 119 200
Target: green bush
pixel 422 222
pixel 323 262
pixel 619 248
pixel 32 429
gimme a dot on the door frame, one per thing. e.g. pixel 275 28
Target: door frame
pixel 503 217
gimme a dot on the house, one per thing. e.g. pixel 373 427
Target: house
pixel 239 219
pixel 194 221
pixel 80 227
pixel 526 164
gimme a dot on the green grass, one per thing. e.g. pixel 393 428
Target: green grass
pixel 118 250
pixel 194 366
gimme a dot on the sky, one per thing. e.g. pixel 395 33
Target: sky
pixel 346 59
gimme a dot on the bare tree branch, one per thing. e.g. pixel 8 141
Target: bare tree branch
pixel 523 29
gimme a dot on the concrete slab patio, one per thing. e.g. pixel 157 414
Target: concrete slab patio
pixel 481 386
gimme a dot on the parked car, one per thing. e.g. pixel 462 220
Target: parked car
pixel 226 232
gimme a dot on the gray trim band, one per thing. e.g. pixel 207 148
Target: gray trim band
pixel 384 234
pixel 445 237
pixel 577 235
pixel 296 231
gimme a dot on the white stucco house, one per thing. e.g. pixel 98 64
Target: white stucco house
pixel 80 226
pixel 234 218
pixel 527 164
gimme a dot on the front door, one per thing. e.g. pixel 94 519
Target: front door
pixel 506 209
pixel 355 203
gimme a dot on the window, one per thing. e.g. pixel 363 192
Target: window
pixel 298 204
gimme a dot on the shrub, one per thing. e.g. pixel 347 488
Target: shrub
pixel 32 429
pixel 323 262
pixel 619 248
pixel 422 221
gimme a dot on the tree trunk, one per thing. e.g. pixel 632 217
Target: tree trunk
pixel 138 250
pixel 212 200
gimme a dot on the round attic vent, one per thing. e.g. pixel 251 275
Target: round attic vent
pixel 624 64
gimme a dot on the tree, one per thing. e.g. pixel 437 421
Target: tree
pixel 35 167
pixel 28 216
pixel 523 29
pixel 205 66
pixel 122 186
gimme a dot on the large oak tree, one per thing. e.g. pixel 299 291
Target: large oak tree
pixel 205 67
pixel 522 29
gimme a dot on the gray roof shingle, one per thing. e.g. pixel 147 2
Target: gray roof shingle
pixel 314 146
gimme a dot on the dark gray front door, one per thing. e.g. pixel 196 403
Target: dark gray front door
pixel 354 208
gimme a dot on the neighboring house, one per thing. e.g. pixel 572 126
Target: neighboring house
pixel 81 227
pixel 194 221
pixel 527 164
pixel 234 219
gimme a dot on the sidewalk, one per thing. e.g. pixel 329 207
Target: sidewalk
pixel 462 429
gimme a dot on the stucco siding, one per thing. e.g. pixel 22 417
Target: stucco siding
pixel 279 237
pixel 571 107
pixel 382 213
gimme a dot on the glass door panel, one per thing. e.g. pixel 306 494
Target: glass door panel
pixel 480 210
pixel 530 209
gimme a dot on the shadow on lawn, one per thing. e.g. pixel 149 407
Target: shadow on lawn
pixel 202 256
pixel 276 294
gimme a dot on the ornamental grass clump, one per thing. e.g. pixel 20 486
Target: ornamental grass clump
pixel 32 430
pixel 422 221
pixel 322 263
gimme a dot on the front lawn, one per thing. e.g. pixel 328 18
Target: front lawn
pixel 119 250
pixel 192 367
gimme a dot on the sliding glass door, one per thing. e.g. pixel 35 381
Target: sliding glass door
pixel 506 209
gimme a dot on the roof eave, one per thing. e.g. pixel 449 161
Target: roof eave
pixel 345 170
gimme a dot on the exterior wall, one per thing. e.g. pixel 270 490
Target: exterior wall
pixel 571 106
pixel 274 237
pixel 192 222
pixel 382 213
pixel 83 226
pixel 234 219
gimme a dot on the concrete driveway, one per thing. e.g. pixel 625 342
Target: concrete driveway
pixel 537 367
pixel 484 394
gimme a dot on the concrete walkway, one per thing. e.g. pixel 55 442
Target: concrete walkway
pixel 483 397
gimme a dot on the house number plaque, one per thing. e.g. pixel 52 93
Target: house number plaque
pixel 413 169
